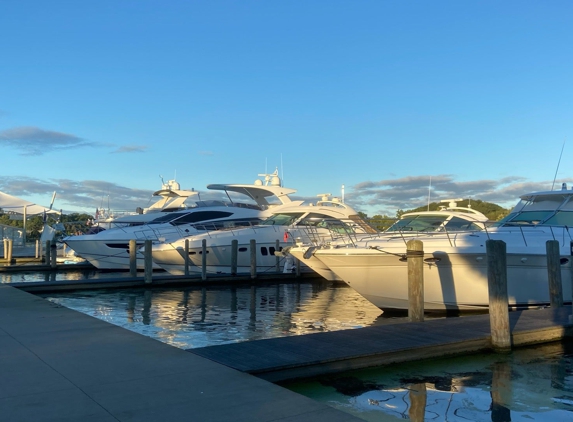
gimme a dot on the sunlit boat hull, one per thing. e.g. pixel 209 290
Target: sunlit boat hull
pixel 455 270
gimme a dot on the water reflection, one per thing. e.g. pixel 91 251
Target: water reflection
pixel 69 275
pixel 197 317
pixel 533 384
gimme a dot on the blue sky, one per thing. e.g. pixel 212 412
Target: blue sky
pixel 100 98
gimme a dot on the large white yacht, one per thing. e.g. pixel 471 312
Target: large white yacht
pixel 455 269
pixel 109 249
pixel 447 218
pixel 328 218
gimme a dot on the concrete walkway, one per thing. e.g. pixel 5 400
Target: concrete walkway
pixel 57 364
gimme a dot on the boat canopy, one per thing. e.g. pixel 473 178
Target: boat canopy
pixel 13 204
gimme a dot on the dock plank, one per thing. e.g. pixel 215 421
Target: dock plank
pixel 284 358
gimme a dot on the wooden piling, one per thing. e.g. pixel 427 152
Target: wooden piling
pixel 186 258
pixel 148 263
pixel 48 252
pixel 253 250
pixel 415 254
pixel 8 250
pixel 498 297
pixel 554 273
pixel 204 259
pixel 54 255
pixel 39 249
pixel 234 256
pixel 132 258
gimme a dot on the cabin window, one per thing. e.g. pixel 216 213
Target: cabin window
pixel 264 251
pixel 194 217
pixel 243 249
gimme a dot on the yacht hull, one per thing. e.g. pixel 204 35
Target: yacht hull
pixel 453 279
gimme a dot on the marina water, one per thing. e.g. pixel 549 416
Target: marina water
pixel 529 384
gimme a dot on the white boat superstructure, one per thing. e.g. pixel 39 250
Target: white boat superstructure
pixel 167 199
pixel 328 218
pixel 109 249
pixel 455 269
pixel 448 218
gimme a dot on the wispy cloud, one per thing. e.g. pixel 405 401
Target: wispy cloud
pixel 372 197
pixel 388 196
pixel 206 153
pixel 130 148
pixel 35 141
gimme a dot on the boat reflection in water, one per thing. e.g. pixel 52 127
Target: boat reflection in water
pixel 533 384
pixel 197 317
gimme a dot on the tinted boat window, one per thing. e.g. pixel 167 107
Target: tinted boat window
pixel 196 216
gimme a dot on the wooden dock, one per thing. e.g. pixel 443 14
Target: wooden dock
pixel 306 356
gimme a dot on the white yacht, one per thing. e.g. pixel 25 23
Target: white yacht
pixel 328 218
pixel 455 269
pixel 109 249
pixel 447 218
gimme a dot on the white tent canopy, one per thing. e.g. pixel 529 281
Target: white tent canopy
pixel 9 203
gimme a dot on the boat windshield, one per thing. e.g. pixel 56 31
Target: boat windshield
pixel 428 223
pixel 283 219
pixel 533 218
pixel 418 223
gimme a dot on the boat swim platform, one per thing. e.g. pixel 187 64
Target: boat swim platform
pixel 307 356
pixel 57 364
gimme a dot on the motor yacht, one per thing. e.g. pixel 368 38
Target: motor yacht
pixel 109 249
pixel 455 261
pixel 328 218
pixel 448 217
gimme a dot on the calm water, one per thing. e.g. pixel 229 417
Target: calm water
pixel 194 317
pixel 532 384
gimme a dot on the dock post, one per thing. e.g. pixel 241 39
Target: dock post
pixel 8 250
pixel 204 259
pixel 234 255
pixel 554 273
pixel 5 248
pixel 297 263
pixel 132 258
pixel 253 249
pixel 498 298
pixel 38 249
pixel 53 255
pixel 186 258
pixel 48 252
pixel 415 254
pixel 277 258
pixel 148 263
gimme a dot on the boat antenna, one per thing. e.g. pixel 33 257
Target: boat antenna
pixel 558 162
pixel 429 192
pixel 342 194
pixel 282 171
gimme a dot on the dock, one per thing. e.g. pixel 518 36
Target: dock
pixel 58 364
pixel 288 358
